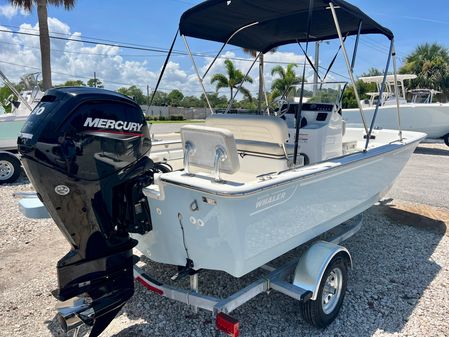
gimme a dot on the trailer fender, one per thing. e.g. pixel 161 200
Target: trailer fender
pixel 313 263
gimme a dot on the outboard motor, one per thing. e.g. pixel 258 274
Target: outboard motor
pixel 85 151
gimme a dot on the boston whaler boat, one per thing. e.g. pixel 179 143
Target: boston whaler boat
pixel 420 114
pixel 245 194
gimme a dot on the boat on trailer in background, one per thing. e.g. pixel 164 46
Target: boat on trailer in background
pixel 420 113
pixel 21 103
pixel 244 195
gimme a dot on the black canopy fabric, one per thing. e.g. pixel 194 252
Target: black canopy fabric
pixel 280 22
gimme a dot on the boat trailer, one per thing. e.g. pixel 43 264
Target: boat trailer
pixel 289 279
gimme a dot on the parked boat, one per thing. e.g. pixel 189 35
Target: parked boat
pixel 21 103
pixel 244 196
pixel 420 113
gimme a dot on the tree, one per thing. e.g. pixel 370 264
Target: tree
pixel 349 100
pixel 191 102
pixel 73 83
pixel 232 80
pixel 372 72
pixel 44 37
pixel 135 93
pixel 5 92
pixel 160 99
pixel 430 62
pixel 287 78
pixel 95 82
pixel 219 102
pixel 254 53
pixel 175 97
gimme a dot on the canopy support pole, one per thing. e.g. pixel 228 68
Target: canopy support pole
pixel 329 68
pixel 348 64
pixel 198 74
pixel 226 43
pixel 381 93
pixel 356 46
pixel 314 68
pixel 14 91
pixel 396 89
pixel 163 69
pixel 301 99
pixel 241 83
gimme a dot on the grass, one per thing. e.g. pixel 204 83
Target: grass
pixel 190 121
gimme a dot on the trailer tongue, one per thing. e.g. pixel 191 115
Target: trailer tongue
pixel 90 173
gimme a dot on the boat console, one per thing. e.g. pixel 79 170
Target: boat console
pixel 321 132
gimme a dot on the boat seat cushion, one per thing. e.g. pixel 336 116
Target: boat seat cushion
pixel 254 133
pixel 205 141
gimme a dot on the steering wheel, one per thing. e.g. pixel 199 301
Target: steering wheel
pixel 8 100
pixel 279 106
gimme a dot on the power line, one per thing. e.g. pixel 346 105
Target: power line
pixel 161 50
pixel 157 49
pixel 89 77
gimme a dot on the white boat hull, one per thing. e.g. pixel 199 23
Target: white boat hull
pixel 241 229
pixel 10 127
pixel 432 119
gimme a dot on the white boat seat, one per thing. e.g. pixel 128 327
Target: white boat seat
pixel 264 135
pixel 209 148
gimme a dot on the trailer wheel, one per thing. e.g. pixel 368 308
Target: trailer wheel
pixel 9 168
pixel 331 293
pixel 446 139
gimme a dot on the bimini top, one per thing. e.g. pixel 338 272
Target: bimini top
pixel 273 23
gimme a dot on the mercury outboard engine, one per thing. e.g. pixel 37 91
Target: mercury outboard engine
pixel 85 151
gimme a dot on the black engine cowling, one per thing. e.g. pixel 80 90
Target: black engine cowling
pixel 85 151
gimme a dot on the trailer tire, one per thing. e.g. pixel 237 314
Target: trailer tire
pixel 324 309
pixel 9 168
pixel 446 139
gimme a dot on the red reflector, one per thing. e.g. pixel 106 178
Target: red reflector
pixel 227 324
pixel 149 286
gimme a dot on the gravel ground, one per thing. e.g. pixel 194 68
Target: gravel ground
pixel 398 286
pixel 427 171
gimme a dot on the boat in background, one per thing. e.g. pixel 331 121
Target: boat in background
pixel 21 103
pixel 420 113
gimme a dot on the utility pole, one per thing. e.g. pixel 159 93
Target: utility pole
pixel 95 79
pixel 317 65
pixel 148 98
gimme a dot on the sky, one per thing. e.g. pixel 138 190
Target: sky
pixel 153 23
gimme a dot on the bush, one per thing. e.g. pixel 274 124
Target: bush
pixel 176 118
pixel 163 118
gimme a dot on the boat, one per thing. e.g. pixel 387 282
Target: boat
pixel 22 103
pixel 245 193
pixel 420 113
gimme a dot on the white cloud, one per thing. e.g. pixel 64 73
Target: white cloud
pixel 9 11
pixel 20 54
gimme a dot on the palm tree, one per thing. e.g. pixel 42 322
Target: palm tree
pixel 43 30
pixel 254 53
pixel 430 62
pixel 232 80
pixel 287 78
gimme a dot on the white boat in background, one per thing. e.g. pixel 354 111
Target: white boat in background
pixel 420 113
pixel 21 103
